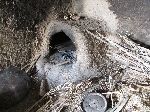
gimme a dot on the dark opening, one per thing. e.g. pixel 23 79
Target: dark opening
pixel 60 41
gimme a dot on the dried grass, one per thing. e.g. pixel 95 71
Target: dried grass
pixel 71 95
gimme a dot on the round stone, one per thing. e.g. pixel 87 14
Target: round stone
pixel 14 86
pixel 94 102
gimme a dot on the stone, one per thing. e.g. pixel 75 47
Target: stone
pixel 14 86
pixel 94 102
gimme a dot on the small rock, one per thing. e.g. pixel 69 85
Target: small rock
pixel 94 102
pixel 14 86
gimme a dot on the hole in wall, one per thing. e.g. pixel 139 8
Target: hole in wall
pixel 60 59
pixel 61 49
pixel 64 56
pixel 60 41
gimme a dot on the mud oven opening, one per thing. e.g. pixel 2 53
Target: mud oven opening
pixel 60 59
pixel 62 49
pixel 64 56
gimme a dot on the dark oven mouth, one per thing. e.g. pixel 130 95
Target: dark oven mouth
pixel 62 50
